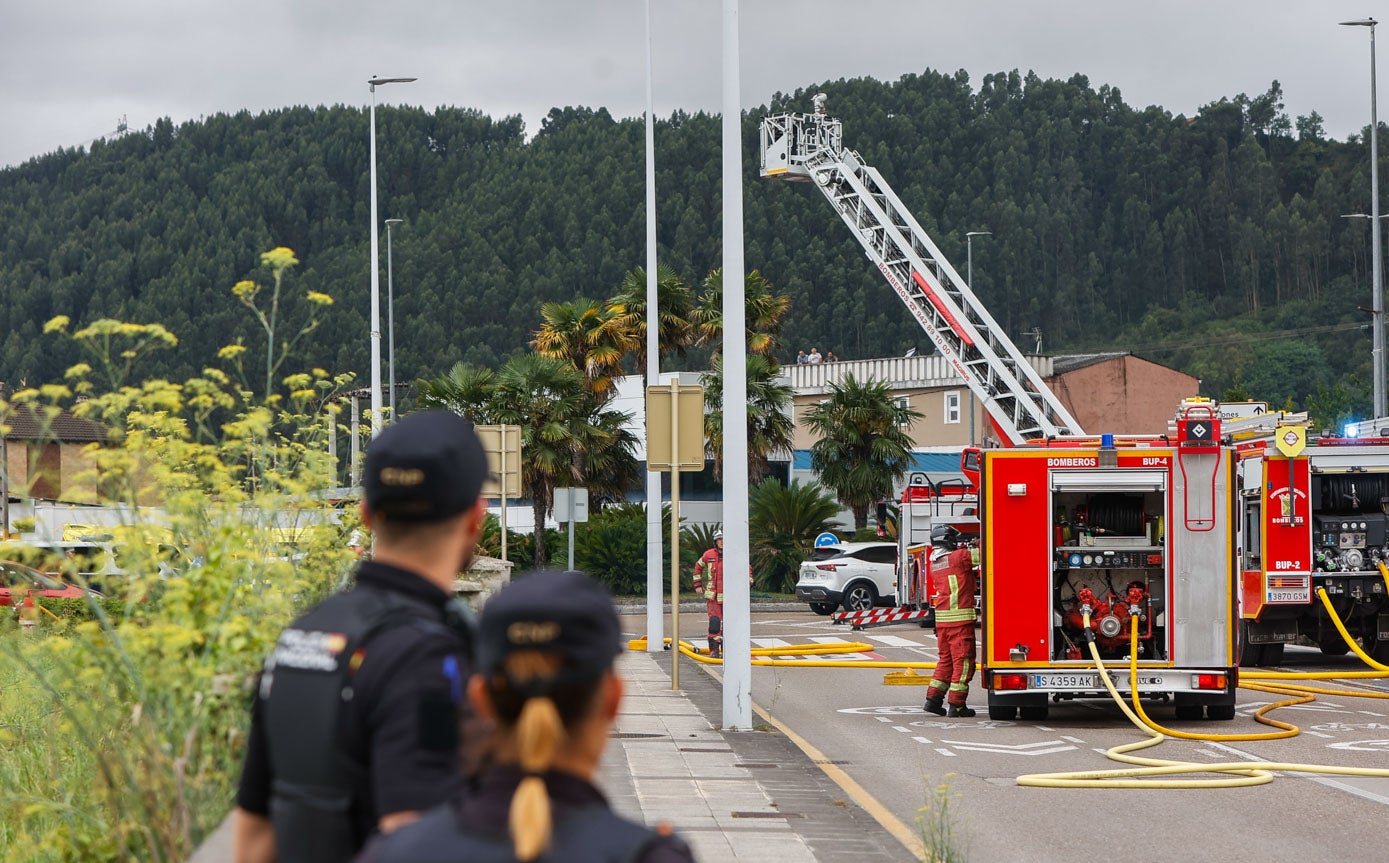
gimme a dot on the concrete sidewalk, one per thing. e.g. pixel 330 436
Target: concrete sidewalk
pixel 733 796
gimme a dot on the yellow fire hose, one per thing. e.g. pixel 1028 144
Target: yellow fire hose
pixel 797 650
pixel 1239 773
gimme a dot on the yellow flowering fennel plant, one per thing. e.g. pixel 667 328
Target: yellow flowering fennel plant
pixel 121 729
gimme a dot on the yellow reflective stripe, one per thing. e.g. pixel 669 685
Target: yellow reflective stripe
pixel 954 615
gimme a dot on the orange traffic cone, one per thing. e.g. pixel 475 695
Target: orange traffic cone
pixel 28 614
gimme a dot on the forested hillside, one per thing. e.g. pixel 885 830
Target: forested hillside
pixel 1214 243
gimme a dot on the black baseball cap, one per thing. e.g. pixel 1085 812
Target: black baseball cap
pixel 566 612
pixel 426 467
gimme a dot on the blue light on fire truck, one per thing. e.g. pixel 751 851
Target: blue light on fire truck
pixel 1352 430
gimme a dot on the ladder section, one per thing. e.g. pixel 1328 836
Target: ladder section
pixel 809 148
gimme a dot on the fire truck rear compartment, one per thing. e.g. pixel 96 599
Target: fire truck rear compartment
pixel 1108 563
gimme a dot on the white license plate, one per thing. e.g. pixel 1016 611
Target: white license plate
pixel 1293 594
pixel 1065 681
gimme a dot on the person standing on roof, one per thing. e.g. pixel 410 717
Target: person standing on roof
pixel 360 723
pixel 546 646
pixel 956 583
pixel 708 582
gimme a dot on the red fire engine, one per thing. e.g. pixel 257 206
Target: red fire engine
pixel 1128 533
pixel 1314 510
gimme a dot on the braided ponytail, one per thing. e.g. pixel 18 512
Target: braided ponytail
pixel 539 725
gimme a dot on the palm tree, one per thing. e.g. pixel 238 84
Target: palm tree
pixel 466 390
pixel 770 424
pixel 584 333
pixel 782 525
pixel 763 309
pixel 609 467
pixel 675 304
pixel 862 448
pixel 545 396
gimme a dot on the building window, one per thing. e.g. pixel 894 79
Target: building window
pixel 952 407
pixel 903 404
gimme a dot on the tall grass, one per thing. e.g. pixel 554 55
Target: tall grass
pixel 122 729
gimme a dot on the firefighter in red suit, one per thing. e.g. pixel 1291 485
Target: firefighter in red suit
pixel 708 582
pixel 956 583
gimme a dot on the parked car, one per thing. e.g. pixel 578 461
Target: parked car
pixel 856 575
pixel 18 581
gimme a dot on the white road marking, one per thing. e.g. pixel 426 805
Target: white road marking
pixel 921 739
pixel 770 642
pixel 947 753
pixel 1320 780
pixel 893 641
pixel 901 729
pixel 829 639
pixel 1071 739
pixel 1051 746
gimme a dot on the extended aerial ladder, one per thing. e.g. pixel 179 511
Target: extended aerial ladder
pixel 810 148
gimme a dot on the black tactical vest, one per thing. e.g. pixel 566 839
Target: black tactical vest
pixel 306 682
pixel 593 834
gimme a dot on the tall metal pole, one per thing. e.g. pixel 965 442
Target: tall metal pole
pixel 1377 277
pixel 737 646
pixel 375 288
pixel 390 315
pixel 376 268
pixel 969 281
pixel 675 535
pixel 654 592
pixel 1379 382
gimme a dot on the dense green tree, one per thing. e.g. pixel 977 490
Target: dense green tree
pixel 1222 223
pixel 862 446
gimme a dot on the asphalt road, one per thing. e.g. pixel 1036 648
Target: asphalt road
pixel 909 760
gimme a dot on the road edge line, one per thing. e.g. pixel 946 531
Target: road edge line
pixel 860 795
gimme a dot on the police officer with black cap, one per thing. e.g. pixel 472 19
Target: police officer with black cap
pixel 545 675
pixel 360 722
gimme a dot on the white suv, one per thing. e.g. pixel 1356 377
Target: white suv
pixel 857 575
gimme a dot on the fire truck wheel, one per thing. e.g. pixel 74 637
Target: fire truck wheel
pixel 1003 712
pixel 1332 644
pixel 1220 711
pixel 824 609
pixel 1379 650
pixel 1188 711
pixel 1034 713
pixel 860 596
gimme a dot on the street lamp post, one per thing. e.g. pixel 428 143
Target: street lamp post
pixel 969 282
pixel 390 313
pixel 1378 276
pixel 376 267
pixel 1376 319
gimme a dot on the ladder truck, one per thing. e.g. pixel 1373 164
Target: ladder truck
pixel 1082 539
pixel 1315 510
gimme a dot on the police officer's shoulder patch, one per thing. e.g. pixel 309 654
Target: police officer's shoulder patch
pixel 308 650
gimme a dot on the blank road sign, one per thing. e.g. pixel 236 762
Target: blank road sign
pixel 690 401
pixel 496 439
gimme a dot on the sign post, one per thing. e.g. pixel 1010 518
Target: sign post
pixel 571 505
pixel 502 443
pixel 675 443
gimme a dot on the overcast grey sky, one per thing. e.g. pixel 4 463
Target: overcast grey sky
pixel 73 68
